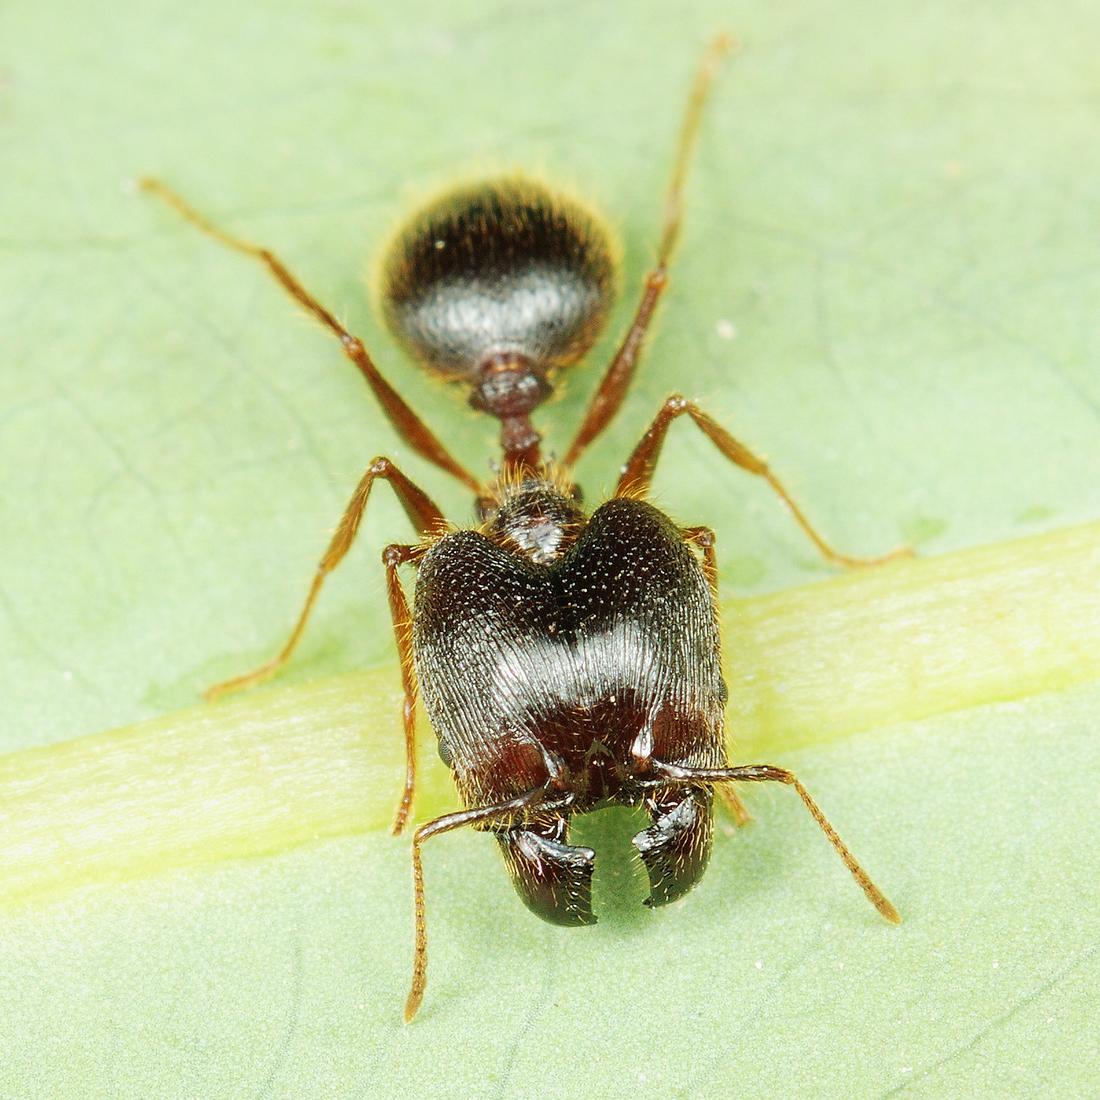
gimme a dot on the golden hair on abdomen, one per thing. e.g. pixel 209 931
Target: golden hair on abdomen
pixel 499 269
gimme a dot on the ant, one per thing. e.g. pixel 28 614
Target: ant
pixel 567 660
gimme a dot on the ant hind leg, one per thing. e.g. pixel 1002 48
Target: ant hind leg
pixel 407 424
pixel 609 395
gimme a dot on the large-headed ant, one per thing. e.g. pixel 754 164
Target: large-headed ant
pixel 567 659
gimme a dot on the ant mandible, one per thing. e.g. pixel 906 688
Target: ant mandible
pixel 566 660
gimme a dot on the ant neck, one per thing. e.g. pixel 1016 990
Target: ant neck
pixel 510 387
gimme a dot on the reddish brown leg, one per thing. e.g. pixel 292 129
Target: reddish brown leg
pixel 408 425
pixel 609 396
pixel 706 540
pixel 393 557
pixel 734 806
pixel 765 773
pixel 502 812
pixel 638 473
pixel 425 518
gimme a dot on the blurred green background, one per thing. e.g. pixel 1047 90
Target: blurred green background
pixel 888 282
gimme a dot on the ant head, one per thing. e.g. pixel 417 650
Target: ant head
pixel 497 283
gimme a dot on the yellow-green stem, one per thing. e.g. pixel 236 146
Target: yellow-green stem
pixel 272 769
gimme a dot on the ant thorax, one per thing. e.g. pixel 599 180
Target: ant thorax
pixel 536 515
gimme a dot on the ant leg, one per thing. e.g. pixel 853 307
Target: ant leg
pixel 638 473
pixel 734 806
pixel 407 424
pixel 762 773
pixel 706 540
pixel 501 812
pixel 608 398
pixel 393 557
pixel 420 509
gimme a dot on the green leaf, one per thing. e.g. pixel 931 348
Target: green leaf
pixel 886 282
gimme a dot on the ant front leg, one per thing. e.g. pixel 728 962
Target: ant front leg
pixel 608 397
pixel 706 540
pixel 393 557
pixel 637 474
pixel 425 517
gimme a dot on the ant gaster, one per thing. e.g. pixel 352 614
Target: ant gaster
pixel 566 660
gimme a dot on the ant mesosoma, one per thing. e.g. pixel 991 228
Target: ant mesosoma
pixel 567 660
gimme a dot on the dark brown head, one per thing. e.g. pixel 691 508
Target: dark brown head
pixel 496 285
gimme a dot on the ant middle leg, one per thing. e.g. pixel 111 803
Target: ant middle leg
pixel 734 806
pixel 408 425
pixel 425 518
pixel 609 396
pixel 638 473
